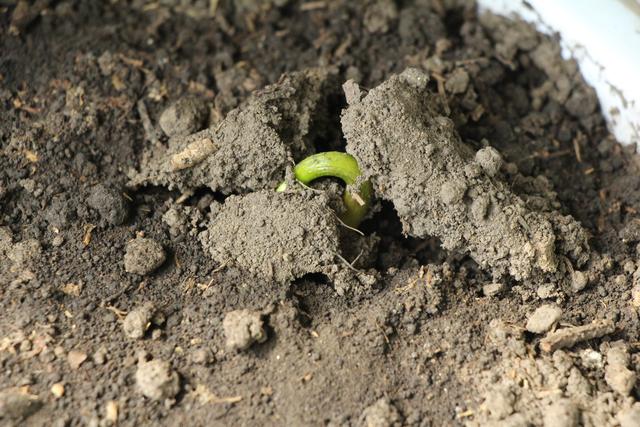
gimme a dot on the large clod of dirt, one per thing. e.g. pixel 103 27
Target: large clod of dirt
pixel 277 236
pixel 442 187
pixel 251 148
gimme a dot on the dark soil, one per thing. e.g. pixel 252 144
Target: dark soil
pixel 158 130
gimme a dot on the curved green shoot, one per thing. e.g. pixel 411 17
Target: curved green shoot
pixel 339 165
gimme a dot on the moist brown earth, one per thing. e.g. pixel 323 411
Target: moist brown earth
pixel 167 123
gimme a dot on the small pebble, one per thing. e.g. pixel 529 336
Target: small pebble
pixel 57 390
pixel 492 289
pixel 59 351
pixel 100 356
pixel 579 281
pixel 351 91
pixel 635 296
pixel 111 412
pixel 58 240
pixel 543 318
pixel 76 358
pixel 143 255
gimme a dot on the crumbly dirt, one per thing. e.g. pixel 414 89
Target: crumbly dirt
pixel 135 120
pixel 440 187
pixel 589 388
pixel 269 234
pixel 252 146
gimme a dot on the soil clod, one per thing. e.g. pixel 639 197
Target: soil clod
pixel 492 289
pixel 563 413
pixel 381 414
pixel 157 380
pixel 254 144
pixel 242 328
pixel 138 320
pixel 18 404
pixel 492 165
pixel 110 204
pixel 617 374
pixel 630 417
pixel 277 236
pixel 412 153
pixel 184 117
pixel 543 318
pixel 143 255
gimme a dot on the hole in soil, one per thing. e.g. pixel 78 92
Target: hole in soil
pixel 330 137
pixel 287 10
pixel 453 21
pixel 151 195
pixel 395 247
pixel 204 196
pixel 201 198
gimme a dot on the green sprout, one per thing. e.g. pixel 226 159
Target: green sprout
pixel 338 165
